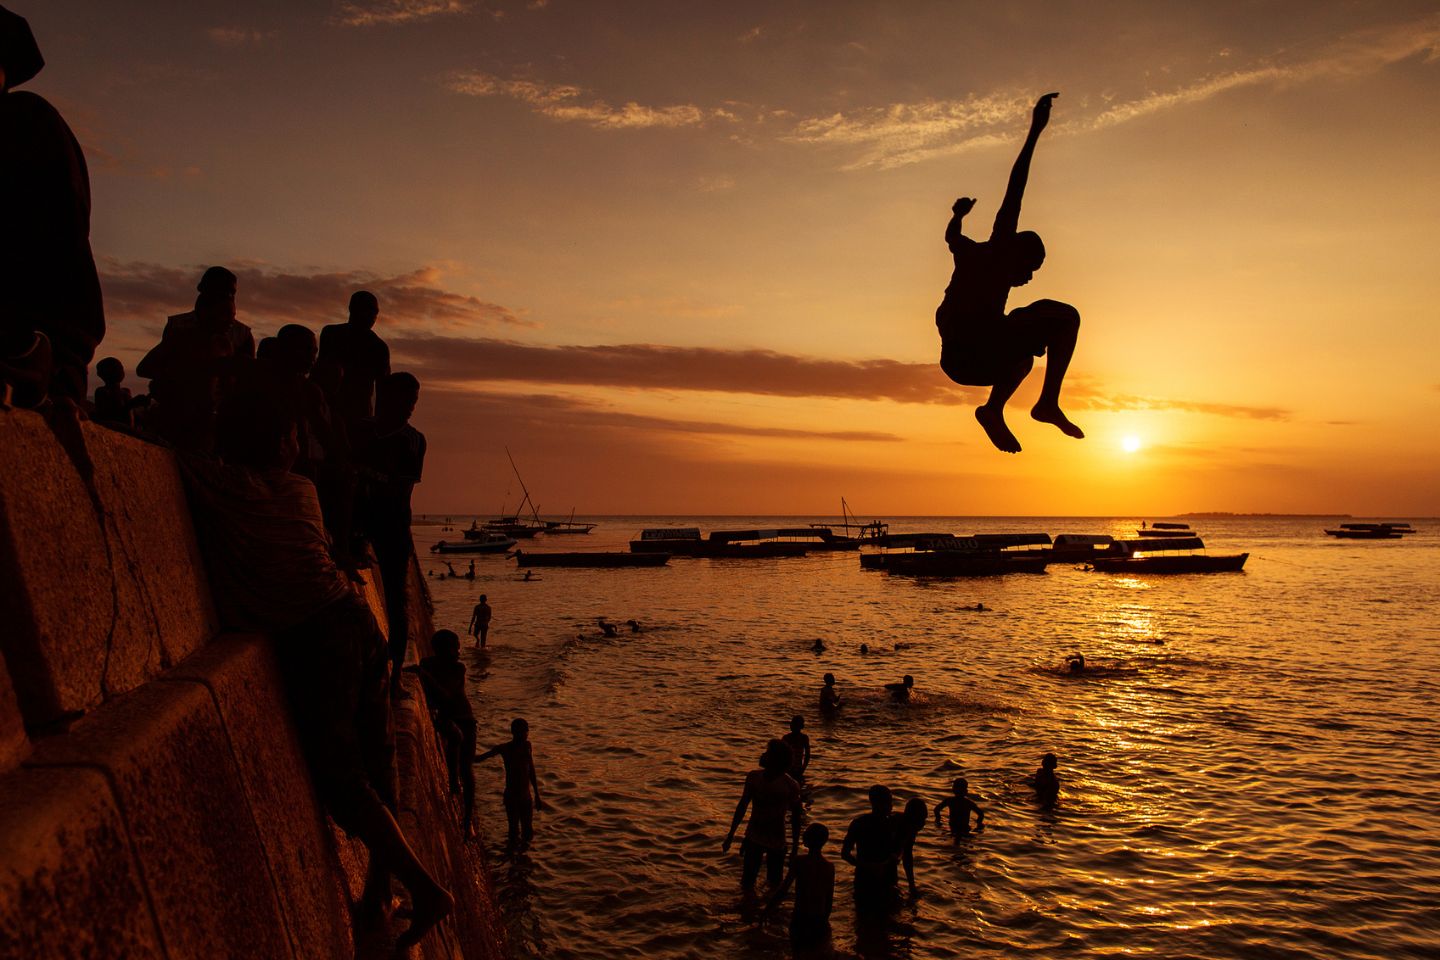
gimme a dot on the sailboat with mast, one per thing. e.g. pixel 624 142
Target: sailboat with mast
pixel 515 524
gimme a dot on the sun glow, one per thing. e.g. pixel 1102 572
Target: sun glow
pixel 1130 443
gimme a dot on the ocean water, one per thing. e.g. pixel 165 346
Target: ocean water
pixel 1250 769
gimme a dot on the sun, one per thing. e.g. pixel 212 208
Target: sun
pixel 1130 443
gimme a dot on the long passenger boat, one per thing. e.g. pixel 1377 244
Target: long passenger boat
pixel 1371 531
pixel 1161 556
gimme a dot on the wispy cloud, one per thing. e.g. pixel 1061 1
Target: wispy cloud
pixel 1353 55
pixel 395 12
pixel 905 133
pixel 652 366
pixel 415 301
pixel 570 103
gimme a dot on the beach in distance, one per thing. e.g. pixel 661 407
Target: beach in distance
pixel 1244 762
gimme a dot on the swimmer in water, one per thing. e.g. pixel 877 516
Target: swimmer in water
pixel 634 625
pixel 864 649
pixel 981 608
pixel 829 696
pixel 470 574
pixel 961 805
pixel 799 744
pixel 1046 783
pixel 900 692
pixel 451 567
pixel 818 646
pixel 529 575
pixel 520 782
pixel 606 627
pixel 1075 663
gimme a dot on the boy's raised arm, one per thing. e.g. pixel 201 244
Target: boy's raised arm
pixel 1007 221
pixel 959 209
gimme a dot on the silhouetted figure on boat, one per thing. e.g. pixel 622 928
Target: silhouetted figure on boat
pixel 774 793
pixel 982 345
pixel 1046 782
pixel 360 356
pixel 52 316
pixel 201 356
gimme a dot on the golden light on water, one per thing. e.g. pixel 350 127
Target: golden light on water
pixel 1130 443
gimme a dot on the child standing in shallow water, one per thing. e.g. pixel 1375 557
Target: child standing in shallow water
pixel 519 781
pixel 961 806
pixel 799 745
pixel 814 879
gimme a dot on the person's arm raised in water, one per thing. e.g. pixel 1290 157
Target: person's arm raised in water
pixel 739 816
pixel 958 210
pixel 1007 221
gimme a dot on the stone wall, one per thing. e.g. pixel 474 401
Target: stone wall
pixel 153 798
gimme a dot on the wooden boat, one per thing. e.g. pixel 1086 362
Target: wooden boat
pixel 676 541
pixel 754 544
pixel 1162 529
pixel 490 543
pixel 947 555
pixel 813 537
pixel 1151 556
pixel 1371 531
pixel 590 559
pixel 568 526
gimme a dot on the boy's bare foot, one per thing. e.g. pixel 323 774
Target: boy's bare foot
pixel 426 910
pixel 1050 413
pixel 994 423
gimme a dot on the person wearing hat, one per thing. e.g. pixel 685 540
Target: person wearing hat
pixel 200 354
pixel 52 315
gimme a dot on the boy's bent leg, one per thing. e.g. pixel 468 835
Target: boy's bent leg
pixel 991 414
pixel 1056 326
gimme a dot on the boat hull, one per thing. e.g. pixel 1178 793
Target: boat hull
pixel 941 563
pixel 474 546
pixel 607 560
pixel 1199 563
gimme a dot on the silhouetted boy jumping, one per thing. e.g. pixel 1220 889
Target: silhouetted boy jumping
pixel 982 345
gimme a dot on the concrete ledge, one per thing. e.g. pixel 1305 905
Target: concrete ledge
pixel 58 606
pixel 239 672
pixel 180 792
pixel 104 585
pixel 69 886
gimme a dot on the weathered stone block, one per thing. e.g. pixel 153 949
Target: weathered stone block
pixel 240 673
pixel 69 886
pixel 176 777
pixel 104 587
pixel 153 541
pixel 13 742
pixel 63 641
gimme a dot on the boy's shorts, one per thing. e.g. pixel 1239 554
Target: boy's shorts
pixel 979 352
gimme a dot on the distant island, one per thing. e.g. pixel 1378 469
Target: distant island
pixel 1223 514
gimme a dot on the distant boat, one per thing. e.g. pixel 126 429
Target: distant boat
pixel 527 558
pixel 568 526
pixel 1371 531
pixel 1162 529
pixel 721 544
pixel 1154 557
pixel 486 543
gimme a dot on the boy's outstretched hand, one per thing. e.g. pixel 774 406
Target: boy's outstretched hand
pixel 963 205
pixel 1042 111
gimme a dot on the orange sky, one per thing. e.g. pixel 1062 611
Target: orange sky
pixel 685 257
